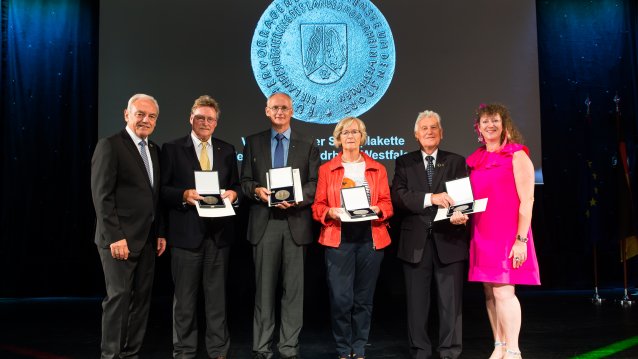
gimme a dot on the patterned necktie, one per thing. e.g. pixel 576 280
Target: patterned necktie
pixel 145 160
pixel 430 169
pixel 204 162
pixel 279 152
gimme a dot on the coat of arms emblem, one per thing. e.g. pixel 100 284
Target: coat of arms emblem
pixel 324 52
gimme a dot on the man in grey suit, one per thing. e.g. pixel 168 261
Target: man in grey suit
pixel 125 181
pixel 278 234
pixel 431 251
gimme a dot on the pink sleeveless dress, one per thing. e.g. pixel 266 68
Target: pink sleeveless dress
pixel 494 231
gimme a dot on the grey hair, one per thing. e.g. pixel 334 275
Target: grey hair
pixel 278 93
pixel 425 114
pixel 141 96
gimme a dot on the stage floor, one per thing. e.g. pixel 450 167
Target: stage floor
pixel 556 324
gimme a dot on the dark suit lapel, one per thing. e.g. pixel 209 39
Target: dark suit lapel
pixel 439 170
pixel 137 157
pixel 265 150
pixel 152 147
pixel 291 150
pixel 422 178
pixel 216 156
pixel 190 152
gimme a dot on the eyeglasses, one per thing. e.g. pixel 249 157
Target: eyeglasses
pixel 276 109
pixel 201 118
pixel 350 132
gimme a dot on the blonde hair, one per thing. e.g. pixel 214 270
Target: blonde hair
pixel 206 101
pixel 345 123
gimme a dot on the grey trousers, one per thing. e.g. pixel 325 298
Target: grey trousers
pixel 277 253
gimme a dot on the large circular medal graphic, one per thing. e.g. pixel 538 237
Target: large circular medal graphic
pixel 334 58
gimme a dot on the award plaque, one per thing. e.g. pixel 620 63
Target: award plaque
pixel 281 185
pixel 463 208
pixel 207 186
pixel 355 202
pixel 461 192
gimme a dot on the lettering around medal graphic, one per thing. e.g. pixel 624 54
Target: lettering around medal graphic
pixel 334 58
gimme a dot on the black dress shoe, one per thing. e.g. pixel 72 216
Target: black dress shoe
pixel 259 356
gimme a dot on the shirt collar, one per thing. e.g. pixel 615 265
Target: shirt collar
pixel 197 142
pixel 434 154
pixel 134 137
pixel 286 133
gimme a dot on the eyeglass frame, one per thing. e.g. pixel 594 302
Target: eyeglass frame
pixel 276 109
pixel 202 118
pixel 354 133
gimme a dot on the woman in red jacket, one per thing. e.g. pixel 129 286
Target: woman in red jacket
pixel 354 250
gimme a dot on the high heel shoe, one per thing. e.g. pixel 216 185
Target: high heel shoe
pixel 499 350
pixel 512 354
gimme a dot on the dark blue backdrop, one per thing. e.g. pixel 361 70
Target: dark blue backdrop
pixel 49 126
pixel 586 50
pixel 49 118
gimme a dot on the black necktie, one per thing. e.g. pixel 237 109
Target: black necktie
pixel 279 152
pixel 430 169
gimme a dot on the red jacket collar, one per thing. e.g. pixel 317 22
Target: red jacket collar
pixel 371 164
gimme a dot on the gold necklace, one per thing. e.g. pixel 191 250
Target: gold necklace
pixel 357 160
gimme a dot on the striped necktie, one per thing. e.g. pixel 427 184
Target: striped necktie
pixel 145 160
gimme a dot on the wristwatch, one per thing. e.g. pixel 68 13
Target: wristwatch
pixel 521 239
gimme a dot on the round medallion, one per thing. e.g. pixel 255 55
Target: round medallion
pixel 334 58
pixel 210 200
pixel 282 194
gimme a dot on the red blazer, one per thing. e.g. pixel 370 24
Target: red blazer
pixel 329 195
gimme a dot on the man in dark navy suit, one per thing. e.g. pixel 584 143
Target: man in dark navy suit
pixel 432 252
pixel 125 181
pixel 199 246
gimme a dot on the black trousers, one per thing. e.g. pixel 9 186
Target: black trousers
pixel 420 280
pixel 125 308
pixel 208 266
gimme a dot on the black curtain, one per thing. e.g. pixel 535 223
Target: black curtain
pixel 587 52
pixel 49 127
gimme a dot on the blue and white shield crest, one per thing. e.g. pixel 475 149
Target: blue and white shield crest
pixel 324 52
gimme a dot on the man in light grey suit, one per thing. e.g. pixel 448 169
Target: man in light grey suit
pixel 278 234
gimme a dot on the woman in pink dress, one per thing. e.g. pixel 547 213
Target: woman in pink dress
pixel 502 249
